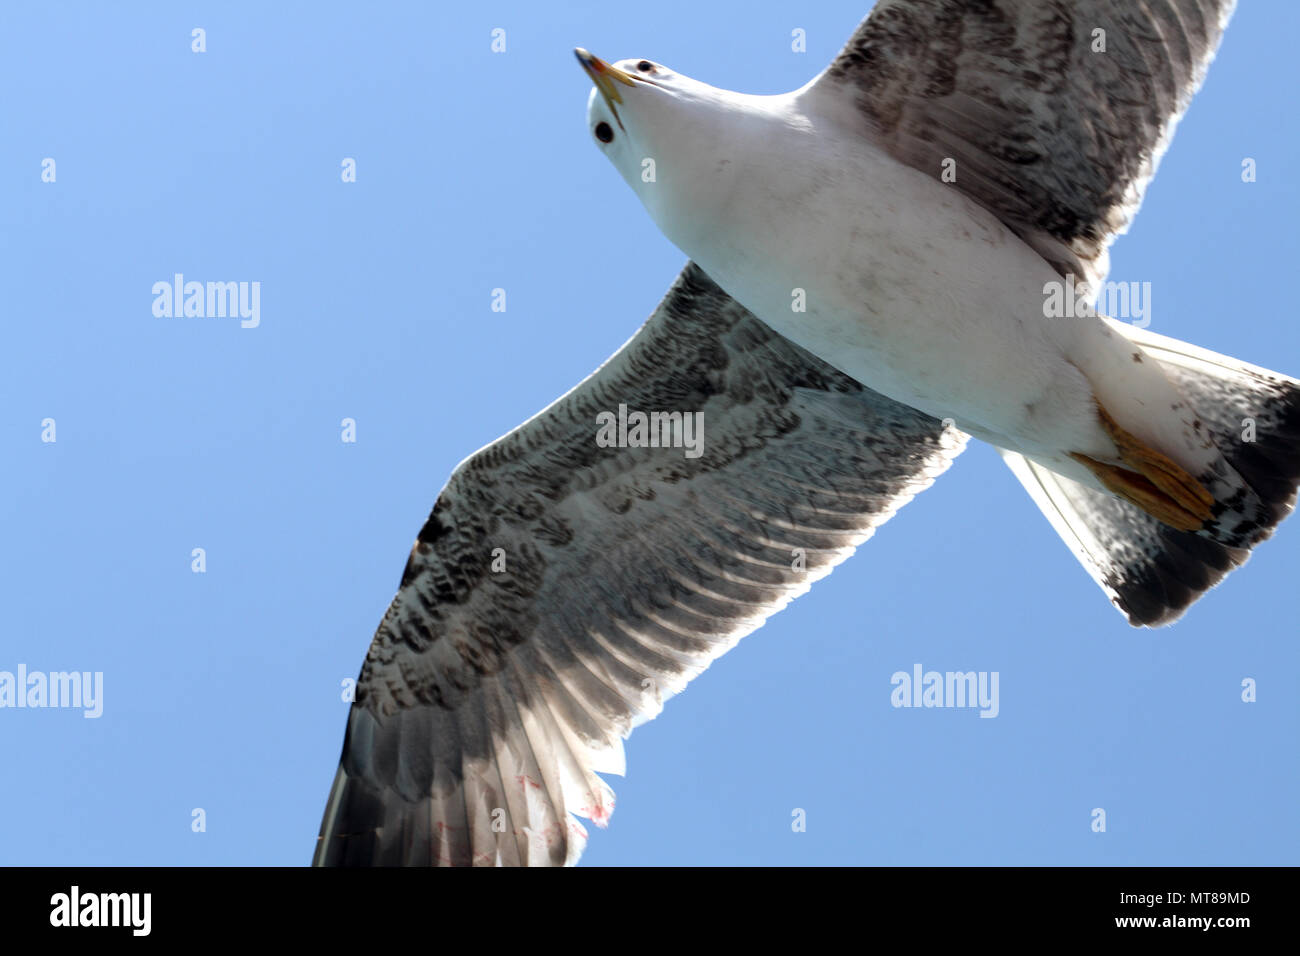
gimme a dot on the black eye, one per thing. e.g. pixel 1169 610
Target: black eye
pixel 603 132
pixel 645 66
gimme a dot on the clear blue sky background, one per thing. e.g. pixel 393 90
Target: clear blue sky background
pixel 475 171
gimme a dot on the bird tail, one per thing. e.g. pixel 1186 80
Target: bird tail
pixel 1153 572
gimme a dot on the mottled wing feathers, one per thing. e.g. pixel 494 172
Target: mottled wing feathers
pixel 561 590
pixel 1052 114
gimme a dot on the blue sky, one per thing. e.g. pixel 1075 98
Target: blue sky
pixel 474 172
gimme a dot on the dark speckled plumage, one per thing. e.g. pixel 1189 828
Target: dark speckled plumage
pixel 627 570
pixel 1054 138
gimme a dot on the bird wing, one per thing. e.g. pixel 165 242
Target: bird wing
pixel 561 590
pixel 1052 114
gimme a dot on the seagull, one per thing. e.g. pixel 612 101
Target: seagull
pixel 870 258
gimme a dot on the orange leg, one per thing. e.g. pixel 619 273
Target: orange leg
pixel 1150 480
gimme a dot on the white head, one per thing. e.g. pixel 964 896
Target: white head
pixel 667 135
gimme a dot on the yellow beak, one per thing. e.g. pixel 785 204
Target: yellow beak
pixel 606 77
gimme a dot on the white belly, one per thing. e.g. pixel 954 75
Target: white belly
pixel 904 284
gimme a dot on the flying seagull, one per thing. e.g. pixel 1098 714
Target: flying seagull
pixel 870 258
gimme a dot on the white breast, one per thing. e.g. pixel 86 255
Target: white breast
pixel 903 283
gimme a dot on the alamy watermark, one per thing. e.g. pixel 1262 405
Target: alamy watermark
pixel 83 689
pixel 636 429
pixel 75 908
pixel 1069 299
pixel 946 689
pixel 200 300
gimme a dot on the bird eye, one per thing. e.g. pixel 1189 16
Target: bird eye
pixel 603 132
pixel 645 66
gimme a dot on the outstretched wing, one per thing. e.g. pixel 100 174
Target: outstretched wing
pixel 562 588
pixel 1055 112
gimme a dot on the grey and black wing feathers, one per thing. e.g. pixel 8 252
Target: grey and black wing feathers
pixel 1052 114
pixel 560 591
